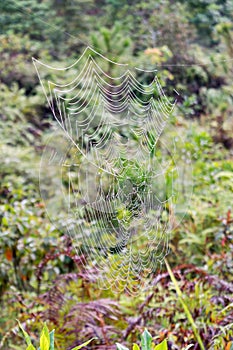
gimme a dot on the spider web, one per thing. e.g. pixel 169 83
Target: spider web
pixel 117 201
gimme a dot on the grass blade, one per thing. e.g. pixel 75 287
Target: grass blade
pixel 185 307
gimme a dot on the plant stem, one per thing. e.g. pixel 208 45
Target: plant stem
pixel 185 307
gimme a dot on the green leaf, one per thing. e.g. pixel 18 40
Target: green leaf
pixel 25 334
pixel 225 174
pixel 15 347
pixel 4 221
pixel 51 338
pixel 84 344
pixel 44 338
pixel 136 347
pixel 185 307
pixel 146 340
pixel 189 346
pixel 161 346
pixel 121 347
pixel 30 347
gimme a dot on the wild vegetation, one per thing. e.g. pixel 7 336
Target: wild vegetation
pixel 43 277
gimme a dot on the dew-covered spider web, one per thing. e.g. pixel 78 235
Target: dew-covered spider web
pixel 109 177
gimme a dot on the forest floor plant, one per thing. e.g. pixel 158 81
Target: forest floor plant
pixel 46 339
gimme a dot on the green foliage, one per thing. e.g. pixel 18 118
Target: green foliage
pixel 146 343
pixel 47 339
pixel 24 16
pixel 185 307
pixel 20 113
pixel 205 15
pixel 112 43
pixel 16 51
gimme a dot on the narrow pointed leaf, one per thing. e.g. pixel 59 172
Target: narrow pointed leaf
pixel 161 346
pixel 146 340
pixel 121 347
pixel 136 347
pixel 185 307
pixel 51 338
pixel 189 346
pixel 84 344
pixel 44 339
pixel 25 334
pixel 30 347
